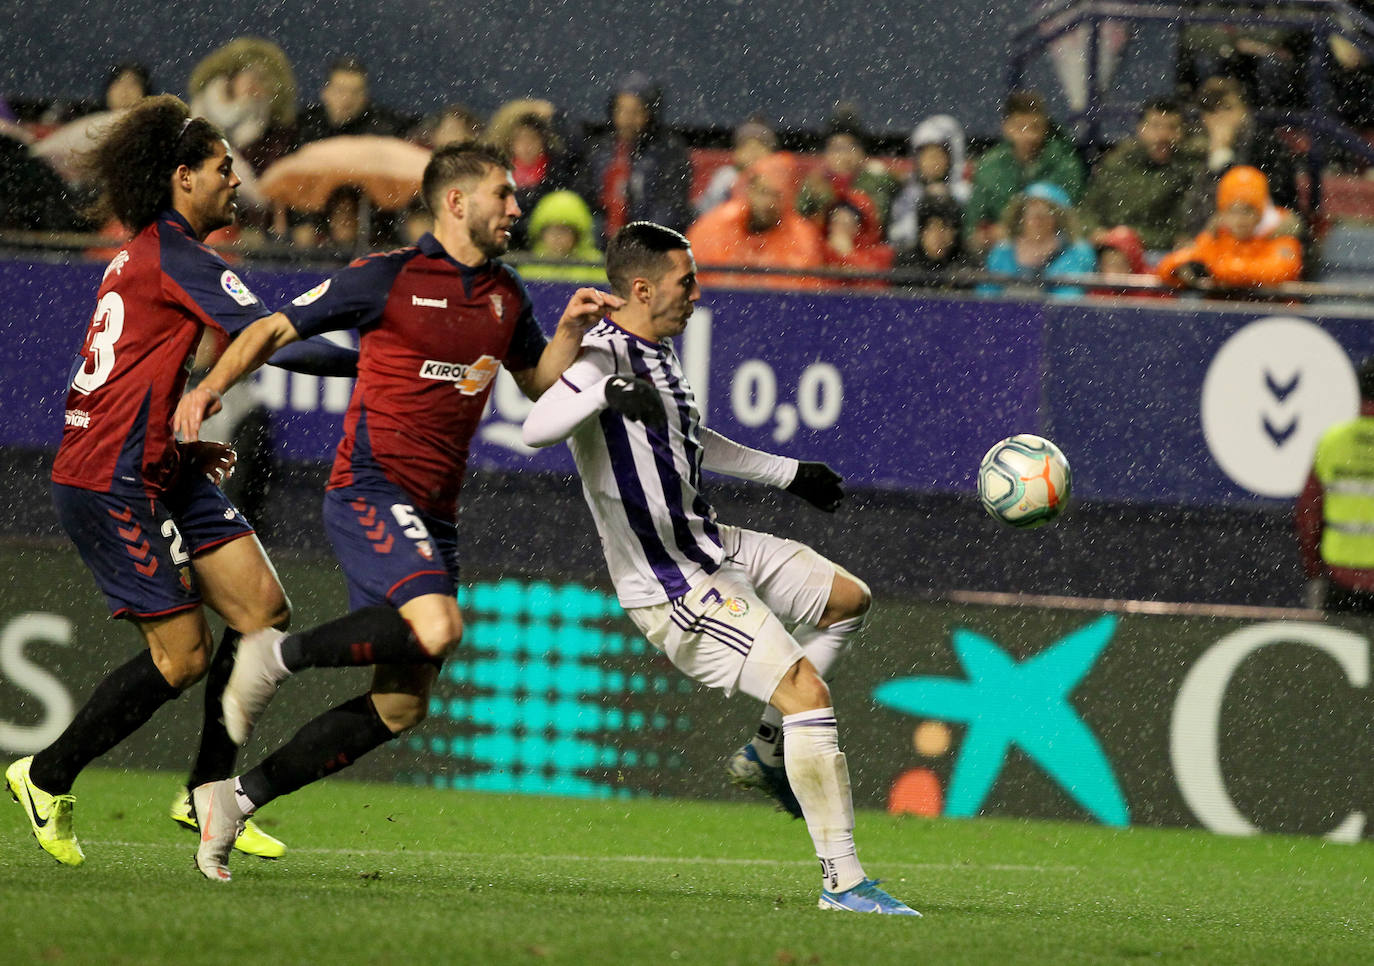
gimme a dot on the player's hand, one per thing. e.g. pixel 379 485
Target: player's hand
pixel 194 408
pixel 216 460
pixel 818 485
pixel 586 308
pixel 636 399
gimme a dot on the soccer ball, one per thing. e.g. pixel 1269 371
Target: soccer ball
pixel 1024 481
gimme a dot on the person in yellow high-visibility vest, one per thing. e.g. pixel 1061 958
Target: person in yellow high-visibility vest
pixel 1335 513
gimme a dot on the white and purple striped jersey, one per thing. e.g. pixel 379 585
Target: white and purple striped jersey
pixel 658 532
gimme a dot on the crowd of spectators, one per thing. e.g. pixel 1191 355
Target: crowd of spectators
pixel 1201 194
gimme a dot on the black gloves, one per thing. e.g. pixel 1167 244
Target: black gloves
pixel 636 399
pixel 818 485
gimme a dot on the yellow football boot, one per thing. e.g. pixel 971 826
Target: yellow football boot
pixel 50 815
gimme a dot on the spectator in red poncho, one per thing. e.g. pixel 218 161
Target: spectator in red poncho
pixel 1121 254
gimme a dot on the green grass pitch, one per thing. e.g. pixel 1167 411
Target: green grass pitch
pixel 392 874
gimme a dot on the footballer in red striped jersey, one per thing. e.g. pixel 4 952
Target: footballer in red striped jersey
pixel 433 335
pixel 436 321
pixel 146 513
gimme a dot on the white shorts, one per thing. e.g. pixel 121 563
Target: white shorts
pixel 791 578
pixel 731 630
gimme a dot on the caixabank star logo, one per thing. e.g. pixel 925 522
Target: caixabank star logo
pixel 1003 704
pixel 1172 715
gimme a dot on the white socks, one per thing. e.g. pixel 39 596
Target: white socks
pixel 819 776
pixel 822 647
pixel 244 802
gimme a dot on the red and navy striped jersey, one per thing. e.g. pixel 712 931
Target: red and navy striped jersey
pixel 433 333
pixel 158 294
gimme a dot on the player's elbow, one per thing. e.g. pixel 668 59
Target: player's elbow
pixel 535 437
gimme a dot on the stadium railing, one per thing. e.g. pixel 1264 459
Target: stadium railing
pixel 76 246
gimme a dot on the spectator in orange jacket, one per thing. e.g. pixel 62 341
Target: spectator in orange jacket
pixel 1247 244
pixel 759 226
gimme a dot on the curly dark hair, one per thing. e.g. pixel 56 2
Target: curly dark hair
pixel 133 164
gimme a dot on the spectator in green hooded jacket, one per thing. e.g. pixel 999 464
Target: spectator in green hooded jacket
pixel 561 227
pixel 1144 182
pixel 1030 151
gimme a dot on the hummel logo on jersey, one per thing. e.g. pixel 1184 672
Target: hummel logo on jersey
pixel 428 303
pixel 116 265
pixel 467 378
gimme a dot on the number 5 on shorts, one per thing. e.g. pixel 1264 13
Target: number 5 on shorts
pixel 409 521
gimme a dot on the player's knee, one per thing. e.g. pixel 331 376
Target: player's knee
pixel 268 606
pixel 863 598
pixel 182 670
pixel 280 616
pixel 273 606
pixel 400 712
pixel 439 634
pixel 850 599
pixel 812 689
pixel 801 689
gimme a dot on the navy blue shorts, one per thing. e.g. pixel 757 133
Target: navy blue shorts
pixel 140 548
pixel 389 551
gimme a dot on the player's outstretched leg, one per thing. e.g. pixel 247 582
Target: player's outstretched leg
pixel 819 774
pixel 843 607
pixel 326 744
pixel 215 757
pixel 371 635
pixel 50 816
pixel 820 777
pixel 119 705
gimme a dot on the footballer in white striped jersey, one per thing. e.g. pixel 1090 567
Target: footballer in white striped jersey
pixel 717 600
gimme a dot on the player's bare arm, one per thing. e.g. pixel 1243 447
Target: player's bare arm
pixel 586 308
pixel 247 353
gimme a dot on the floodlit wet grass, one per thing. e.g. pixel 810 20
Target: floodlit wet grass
pixel 391 874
